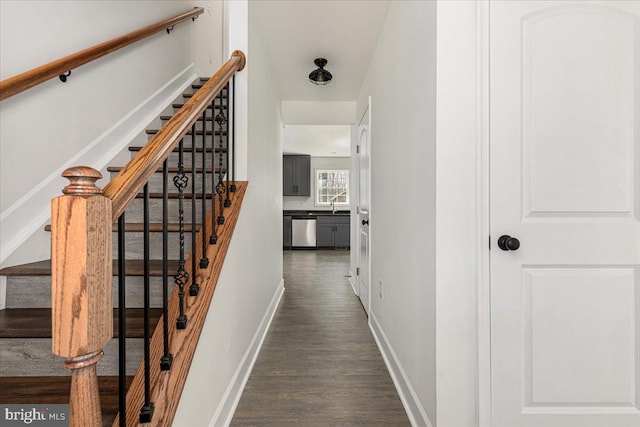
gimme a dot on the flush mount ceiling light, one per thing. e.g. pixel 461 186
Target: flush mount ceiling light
pixel 320 76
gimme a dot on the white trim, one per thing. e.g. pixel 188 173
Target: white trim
pixel 30 213
pixel 369 211
pixel 3 292
pixel 229 402
pixel 483 376
pixel 416 413
pixel 351 282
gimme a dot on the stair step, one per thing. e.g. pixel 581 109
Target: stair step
pixel 189 95
pixel 153 227
pixel 55 390
pixel 133 267
pixel 209 118
pixel 198 86
pixel 136 148
pixel 36 322
pixel 198 132
pixel 178 105
pixel 171 170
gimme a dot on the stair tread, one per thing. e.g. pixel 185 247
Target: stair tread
pixel 180 105
pixel 184 149
pixel 198 132
pixel 36 322
pixel 198 86
pixel 133 267
pixel 189 95
pixel 55 390
pixel 154 227
pixel 209 118
pixel 170 170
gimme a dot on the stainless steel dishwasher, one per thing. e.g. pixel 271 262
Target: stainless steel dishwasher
pixel 303 232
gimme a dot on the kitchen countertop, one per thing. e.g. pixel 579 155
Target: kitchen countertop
pixel 312 214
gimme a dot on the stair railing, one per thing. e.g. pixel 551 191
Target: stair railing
pixel 62 67
pixel 82 262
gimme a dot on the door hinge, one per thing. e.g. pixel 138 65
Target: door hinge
pixel 357 149
pixel 489 242
pixel 357 271
pixel 357 209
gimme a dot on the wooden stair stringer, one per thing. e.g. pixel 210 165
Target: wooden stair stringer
pixel 167 386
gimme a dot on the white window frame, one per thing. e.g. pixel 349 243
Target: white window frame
pixel 317 187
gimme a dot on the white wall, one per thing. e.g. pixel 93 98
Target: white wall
pixel 457 206
pixel 46 126
pixel 291 203
pixel 401 80
pixel 252 274
pixel 318 113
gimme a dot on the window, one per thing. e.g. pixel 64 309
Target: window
pixel 332 186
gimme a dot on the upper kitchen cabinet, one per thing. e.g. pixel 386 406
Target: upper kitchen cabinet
pixel 296 175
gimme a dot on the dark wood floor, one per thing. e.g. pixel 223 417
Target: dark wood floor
pixel 319 365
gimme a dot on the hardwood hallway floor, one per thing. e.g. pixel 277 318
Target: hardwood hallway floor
pixel 319 364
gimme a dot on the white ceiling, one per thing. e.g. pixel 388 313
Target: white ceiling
pixel 295 32
pixel 318 141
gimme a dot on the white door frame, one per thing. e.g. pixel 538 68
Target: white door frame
pixel 483 215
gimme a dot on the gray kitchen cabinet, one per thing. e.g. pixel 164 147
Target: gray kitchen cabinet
pixel 286 231
pixel 342 233
pixel 296 175
pixel 333 231
pixel 324 232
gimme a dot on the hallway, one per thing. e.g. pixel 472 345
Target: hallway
pixel 319 364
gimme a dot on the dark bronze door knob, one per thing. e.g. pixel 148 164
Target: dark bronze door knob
pixel 508 243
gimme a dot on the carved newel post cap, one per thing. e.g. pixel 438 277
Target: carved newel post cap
pixel 82 181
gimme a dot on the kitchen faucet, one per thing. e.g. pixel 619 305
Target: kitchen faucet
pixel 333 201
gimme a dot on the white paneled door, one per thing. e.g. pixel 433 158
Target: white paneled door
pixel 565 188
pixel 364 145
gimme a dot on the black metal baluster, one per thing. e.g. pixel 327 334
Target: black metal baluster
pixel 167 358
pixel 214 236
pixel 180 180
pixel 204 261
pixel 122 344
pixel 194 287
pixel 233 135
pixel 225 135
pixel 220 188
pixel 146 412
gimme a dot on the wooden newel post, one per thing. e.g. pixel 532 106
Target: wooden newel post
pixel 82 312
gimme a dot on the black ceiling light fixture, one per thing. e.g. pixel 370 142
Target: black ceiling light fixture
pixel 320 76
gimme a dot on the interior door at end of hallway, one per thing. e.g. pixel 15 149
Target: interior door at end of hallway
pixel 364 238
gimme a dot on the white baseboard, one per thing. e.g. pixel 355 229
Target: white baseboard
pixel 31 212
pixel 352 282
pixel 3 292
pixel 229 403
pixel 416 413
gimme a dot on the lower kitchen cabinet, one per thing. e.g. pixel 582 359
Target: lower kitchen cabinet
pixel 324 233
pixel 333 231
pixel 342 235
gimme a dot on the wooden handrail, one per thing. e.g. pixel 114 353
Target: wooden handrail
pixel 124 187
pixel 16 84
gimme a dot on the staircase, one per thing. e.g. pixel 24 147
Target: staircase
pixel 29 372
